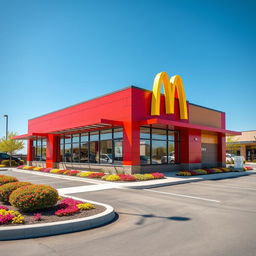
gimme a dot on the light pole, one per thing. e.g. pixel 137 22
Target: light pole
pixel 6 116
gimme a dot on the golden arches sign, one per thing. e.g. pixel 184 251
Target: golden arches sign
pixel 169 92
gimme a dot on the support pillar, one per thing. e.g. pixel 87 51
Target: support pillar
pixel 30 152
pixel 51 151
pixel 131 144
pixel 222 149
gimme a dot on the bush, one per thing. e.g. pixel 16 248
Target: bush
pixel 84 174
pixel 71 172
pixel 37 168
pixel 184 173
pixel 127 177
pixel 111 177
pixel 85 206
pixel 7 179
pixel 28 167
pixel 6 189
pixel 200 171
pixel 7 162
pixel 34 197
pixel 96 175
pixel 54 170
pixel 158 175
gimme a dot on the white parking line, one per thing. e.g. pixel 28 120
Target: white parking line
pixel 180 195
pixel 224 186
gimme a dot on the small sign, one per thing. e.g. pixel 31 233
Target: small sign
pixel 239 162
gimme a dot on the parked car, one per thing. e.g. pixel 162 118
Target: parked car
pixel 171 158
pixel 4 156
pixel 106 158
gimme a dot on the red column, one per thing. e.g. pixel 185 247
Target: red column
pixel 30 152
pixel 51 151
pixel 222 149
pixel 131 144
pixel 190 146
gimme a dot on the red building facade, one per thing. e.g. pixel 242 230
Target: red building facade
pixel 117 131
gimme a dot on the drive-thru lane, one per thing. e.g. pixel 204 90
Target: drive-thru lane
pixel 165 223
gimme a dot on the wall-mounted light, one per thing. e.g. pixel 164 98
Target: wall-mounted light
pixel 195 139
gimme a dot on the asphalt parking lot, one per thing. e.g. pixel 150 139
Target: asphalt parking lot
pixel 201 218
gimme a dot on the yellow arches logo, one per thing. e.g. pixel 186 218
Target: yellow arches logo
pixel 170 87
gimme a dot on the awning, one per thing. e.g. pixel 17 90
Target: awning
pixel 187 125
pixel 103 123
pixel 29 136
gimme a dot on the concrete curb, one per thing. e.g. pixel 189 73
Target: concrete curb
pixel 60 227
pixel 217 176
pixel 3 169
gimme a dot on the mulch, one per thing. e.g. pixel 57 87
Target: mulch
pixel 48 215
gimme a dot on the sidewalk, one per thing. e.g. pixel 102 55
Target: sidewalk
pixel 171 179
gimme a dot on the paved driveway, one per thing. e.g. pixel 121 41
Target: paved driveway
pixel 204 218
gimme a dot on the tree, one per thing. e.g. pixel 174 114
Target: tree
pixel 232 145
pixel 9 145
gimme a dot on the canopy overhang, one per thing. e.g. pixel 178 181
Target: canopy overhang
pixel 187 125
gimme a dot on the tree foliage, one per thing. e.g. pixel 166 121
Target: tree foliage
pixel 232 144
pixel 9 145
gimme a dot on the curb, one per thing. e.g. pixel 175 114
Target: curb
pixel 60 227
pixel 218 176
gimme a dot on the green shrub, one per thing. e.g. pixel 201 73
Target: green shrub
pixel 6 189
pixel 34 197
pixel 7 179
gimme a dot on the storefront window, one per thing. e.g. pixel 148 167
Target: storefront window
pixel 101 147
pixel 158 146
pixel 39 149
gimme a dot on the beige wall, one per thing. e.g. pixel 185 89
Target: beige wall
pixel 203 116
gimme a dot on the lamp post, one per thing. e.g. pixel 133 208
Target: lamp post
pixel 6 116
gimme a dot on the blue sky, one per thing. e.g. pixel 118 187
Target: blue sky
pixel 57 53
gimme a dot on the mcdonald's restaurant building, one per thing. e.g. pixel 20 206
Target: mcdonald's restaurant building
pixel 131 130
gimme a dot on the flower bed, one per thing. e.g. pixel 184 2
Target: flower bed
pixel 98 175
pixel 32 203
pixel 209 171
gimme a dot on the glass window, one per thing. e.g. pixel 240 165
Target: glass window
pixel 67 139
pixel 171 135
pixel 144 151
pixel 171 153
pixel 94 136
pixel 106 152
pixel 94 152
pixel 84 153
pixel 75 152
pixel 118 133
pixel 118 151
pixel 62 153
pixel 75 138
pixel 106 135
pixel 67 155
pixel 158 134
pixel 93 147
pixel 84 137
pixel 144 133
pixel 159 151
pixel 156 151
